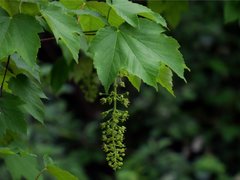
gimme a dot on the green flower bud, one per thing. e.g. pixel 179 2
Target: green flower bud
pixel 112 130
pixel 103 100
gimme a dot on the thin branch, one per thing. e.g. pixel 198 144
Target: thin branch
pixel 92 32
pixel 40 173
pixel 4 76
pixel 47 39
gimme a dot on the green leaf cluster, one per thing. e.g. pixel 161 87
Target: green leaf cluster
pixel 231 11
pixel 120 36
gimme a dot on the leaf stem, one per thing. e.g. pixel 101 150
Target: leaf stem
pixel 40 173
pixel 92 32
pixel 109 10
pixel 20 7
pixel 47 39
pixel 4 76
pixel 114 111
pixel 115 96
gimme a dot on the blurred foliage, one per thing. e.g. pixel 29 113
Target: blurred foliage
pixel 171 10
pixel 193 136
pixel 231 11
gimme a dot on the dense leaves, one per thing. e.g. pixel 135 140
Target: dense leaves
pixel 17 36
pixel 23 165
pixel 122 38
pixel 231 11
pixel 11 115
pixel 30 93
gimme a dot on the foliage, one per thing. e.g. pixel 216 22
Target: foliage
pixel 120 36
pixel 193 136
pixel 231 11
pixel 166 137
pixel 171 10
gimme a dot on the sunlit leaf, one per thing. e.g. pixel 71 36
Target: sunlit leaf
pixel 165 78
pixel 129 12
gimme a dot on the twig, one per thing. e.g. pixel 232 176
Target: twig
pixel 40 173
pixel 47 39
pixel 4 76
pixel 92 32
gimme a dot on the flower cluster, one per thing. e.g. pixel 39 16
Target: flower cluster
pixel 112 130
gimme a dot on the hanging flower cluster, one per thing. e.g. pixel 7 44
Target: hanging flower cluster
pixel 112 129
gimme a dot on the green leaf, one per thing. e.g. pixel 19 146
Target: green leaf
pixel 231 11
pixel 20 6
pixel 11 115
pixel 139 51
pixel 22 67
pixel 12 7
pixel 59 74
pixel 171 10
pixel 129 12
pixel 30 93
pixel 72 4
pixel 5 151
pixel 135 81
pixel 92 13
pixel 17 36
pixel 104 9
pixel 22 166
pixel 90 19
pixel 60 174
pixel 7 77
pixel 90 23
pixel 209 163
pixel 64 28
pixel 29 7
pixel 165 78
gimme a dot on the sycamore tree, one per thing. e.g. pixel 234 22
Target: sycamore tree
pixel 121 41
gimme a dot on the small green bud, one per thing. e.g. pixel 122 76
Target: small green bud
pixel 103 100
pixel 122 84
pixel 112 130
pixel 126 102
